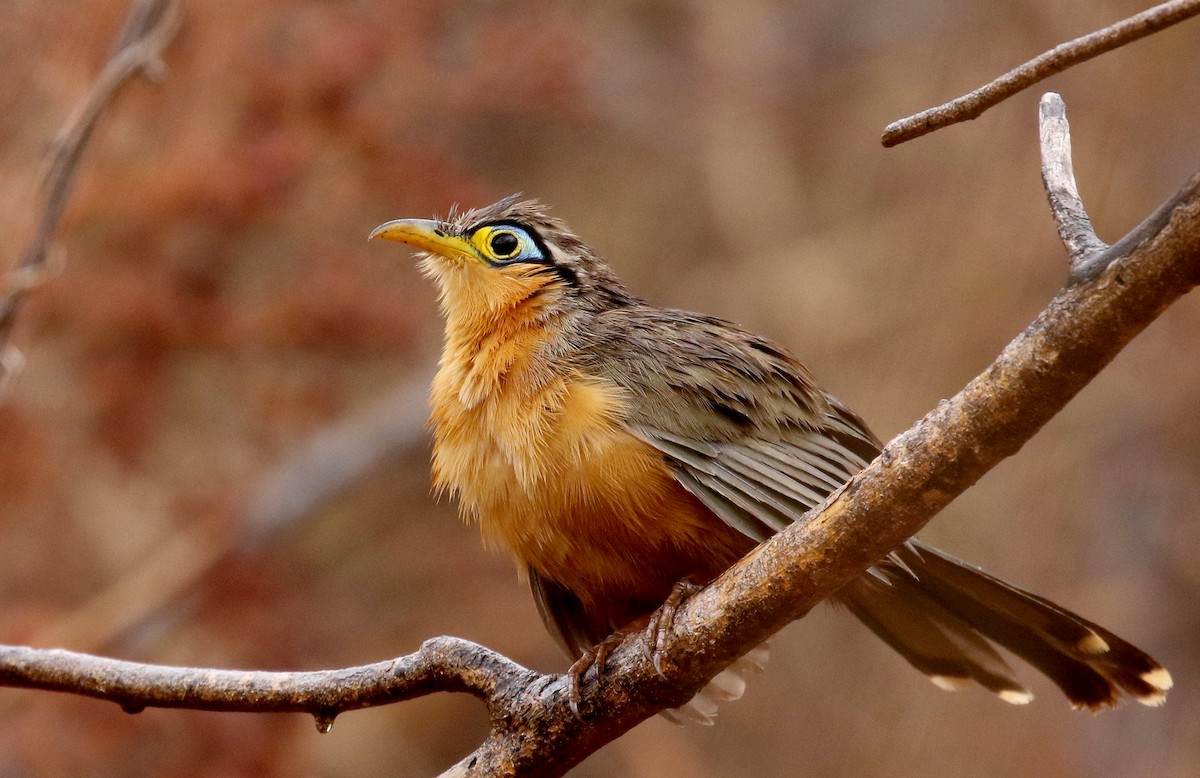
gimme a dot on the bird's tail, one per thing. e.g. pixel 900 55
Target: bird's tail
pixel 944 617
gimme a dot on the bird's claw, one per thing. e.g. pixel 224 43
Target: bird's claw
pixel 596 656
pixel 663 619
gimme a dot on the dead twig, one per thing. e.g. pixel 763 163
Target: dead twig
pixel 1058 176
pixel 1058 59
pixel 149 27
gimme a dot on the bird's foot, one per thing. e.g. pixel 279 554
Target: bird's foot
pixel 596 656
pixel 663 619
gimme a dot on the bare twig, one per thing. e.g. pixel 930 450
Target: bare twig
pixel 1058 176
pixel 917 474
pixel 149 27
pixel 440 665
pixel 1058 59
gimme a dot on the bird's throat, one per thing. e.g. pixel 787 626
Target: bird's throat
pixel 497 335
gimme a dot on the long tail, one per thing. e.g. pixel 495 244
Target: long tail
pixel 943 616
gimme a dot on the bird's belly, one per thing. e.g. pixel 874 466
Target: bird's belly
pixel 582 502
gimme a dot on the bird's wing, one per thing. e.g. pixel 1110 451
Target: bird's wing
pixel 739 421
pixel 758 484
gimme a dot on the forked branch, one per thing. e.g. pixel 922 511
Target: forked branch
pixel 1114 293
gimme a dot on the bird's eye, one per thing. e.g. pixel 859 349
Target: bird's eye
pixel 504 244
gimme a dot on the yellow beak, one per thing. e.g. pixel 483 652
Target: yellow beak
pixel 427 235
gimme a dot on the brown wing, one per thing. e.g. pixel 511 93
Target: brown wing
pixel 740 422
pixel 744 428
pixel 760 485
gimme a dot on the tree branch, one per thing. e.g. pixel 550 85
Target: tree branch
pixel 1058 59
pixel 149 27
pixel 1115 292
pixel 440 665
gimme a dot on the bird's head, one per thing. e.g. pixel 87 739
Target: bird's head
pixel 507 254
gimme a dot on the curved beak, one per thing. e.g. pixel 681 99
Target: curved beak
pixel 425 234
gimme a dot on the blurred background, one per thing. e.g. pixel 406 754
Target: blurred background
pixel 216 454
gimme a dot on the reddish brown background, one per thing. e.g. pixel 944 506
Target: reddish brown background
pixel 219 307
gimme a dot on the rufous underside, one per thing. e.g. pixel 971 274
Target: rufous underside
pixel 539 457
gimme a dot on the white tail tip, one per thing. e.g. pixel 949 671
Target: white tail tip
pixel 1159 678
pixel 949 682
pixel 1092 644
pixel 1016 696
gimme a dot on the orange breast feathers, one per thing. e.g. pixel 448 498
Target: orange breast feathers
pixel 541 459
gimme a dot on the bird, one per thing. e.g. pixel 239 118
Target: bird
pixel 622 453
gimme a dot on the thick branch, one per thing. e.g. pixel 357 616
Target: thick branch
pixel 922 470
pixel 1058 59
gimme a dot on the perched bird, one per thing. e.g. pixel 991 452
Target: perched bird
pixel 615 448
